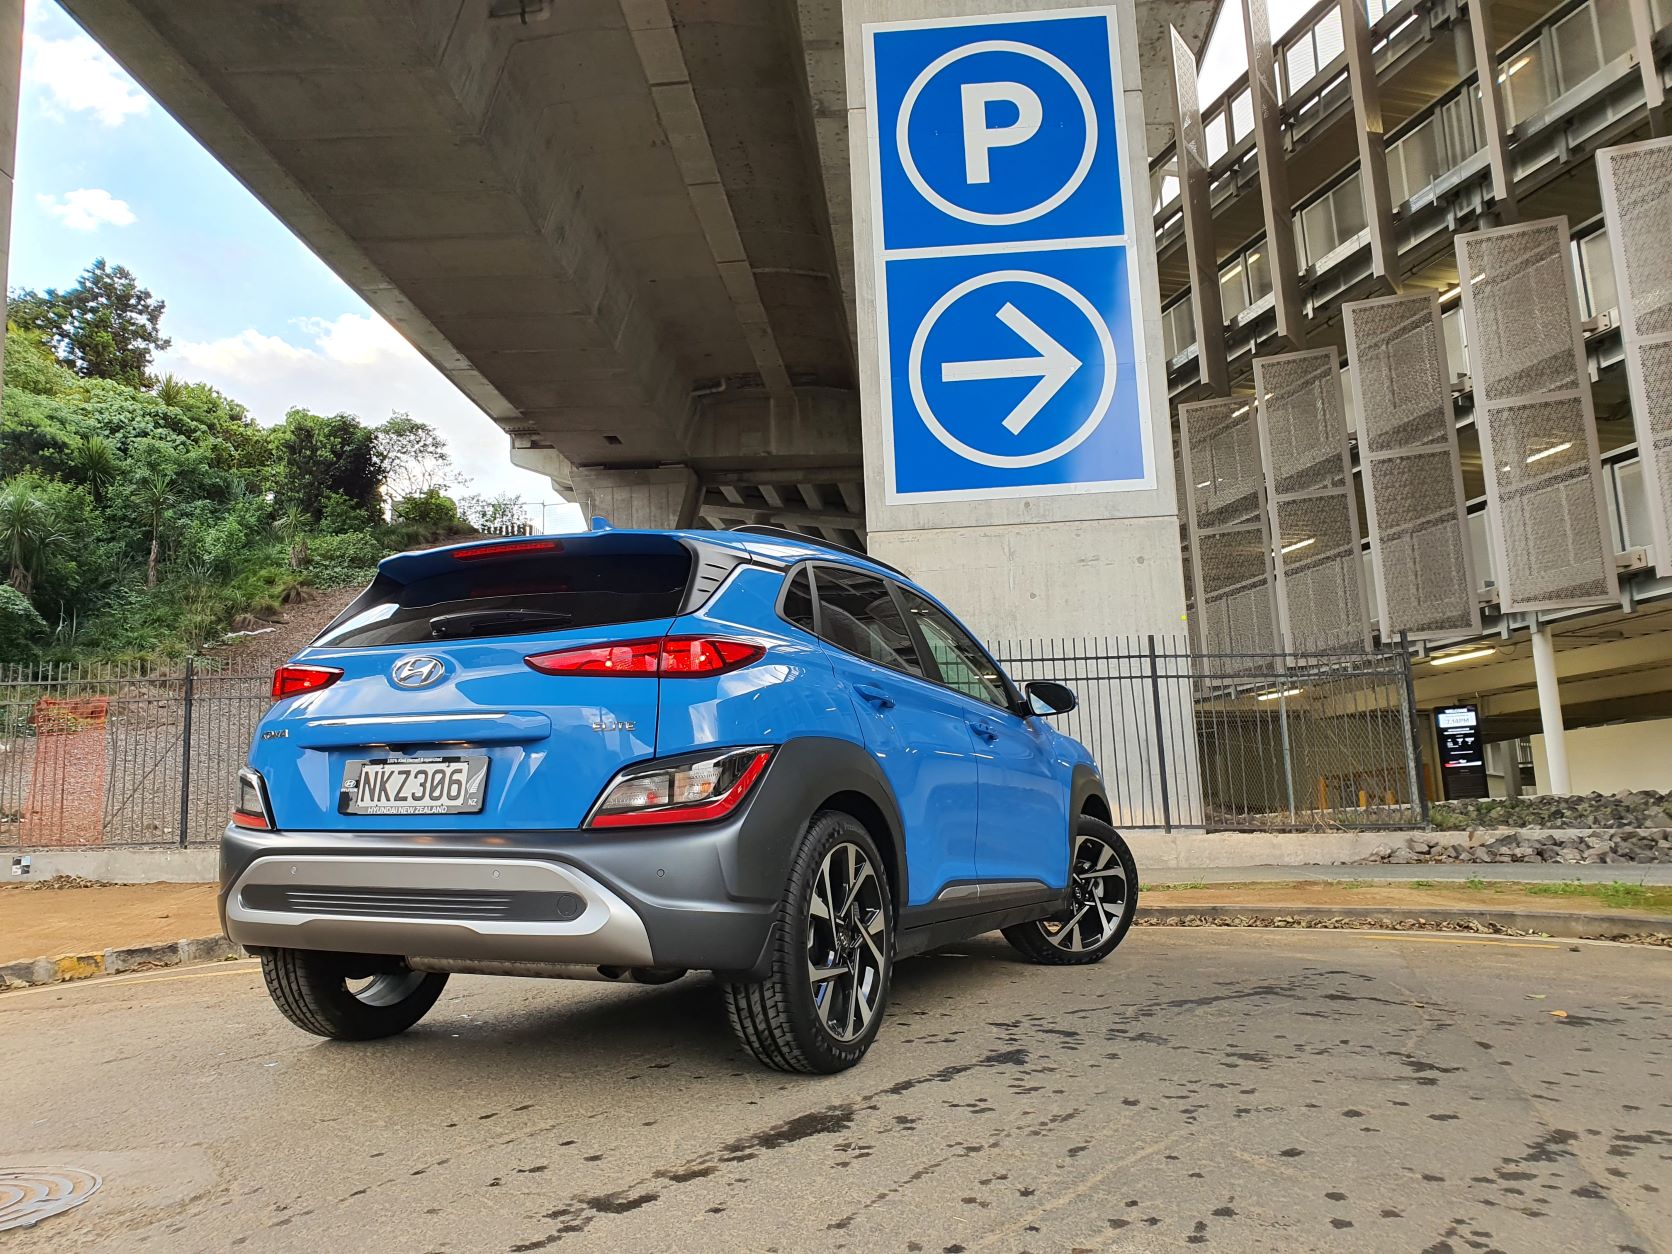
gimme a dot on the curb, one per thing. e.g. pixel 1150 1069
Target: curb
pixel 36 971
pixel 1568 925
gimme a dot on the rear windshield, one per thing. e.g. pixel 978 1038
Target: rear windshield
pixel 515 596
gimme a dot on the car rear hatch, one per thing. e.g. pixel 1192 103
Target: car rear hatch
pixel 437 722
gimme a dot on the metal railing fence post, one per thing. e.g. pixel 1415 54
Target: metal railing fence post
pixel 1413 737
pixel 186 759
pixel 1160 739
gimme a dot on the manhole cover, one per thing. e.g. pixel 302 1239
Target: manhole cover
pixel 31 1194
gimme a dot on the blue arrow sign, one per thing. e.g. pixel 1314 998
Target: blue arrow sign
pixel 1004 283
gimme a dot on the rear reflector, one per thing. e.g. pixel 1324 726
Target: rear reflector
pixel 292 679
pixel 507 549
pixel 675 657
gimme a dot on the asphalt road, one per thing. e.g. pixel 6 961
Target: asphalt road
pixel 1234 1090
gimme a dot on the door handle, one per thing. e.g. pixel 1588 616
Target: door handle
pixel 875 695
pixel 985 731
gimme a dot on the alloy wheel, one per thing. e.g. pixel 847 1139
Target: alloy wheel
pixel 387 988
pixel 846 938
pixel 1097 898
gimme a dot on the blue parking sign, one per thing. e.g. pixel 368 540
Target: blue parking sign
pixel 1007 298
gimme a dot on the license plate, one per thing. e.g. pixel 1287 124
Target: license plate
pixel 414 786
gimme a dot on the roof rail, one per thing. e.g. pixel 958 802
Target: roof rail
pixel 784 533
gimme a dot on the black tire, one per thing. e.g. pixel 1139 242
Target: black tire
pixel 312 990
pixel 1100 862
pixel 792 1021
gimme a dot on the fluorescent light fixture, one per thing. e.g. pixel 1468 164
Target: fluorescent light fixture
pixel 1451 293
pixel 1274 694
pixel 1515 68
pixel 1208 484
pixel 1299 544
pixel 1563 447
pixel 1468 655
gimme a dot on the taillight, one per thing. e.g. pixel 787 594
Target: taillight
pixel 682 790
pixel 477 552
pixel 675 656
pixel 291 679
pixel 249 805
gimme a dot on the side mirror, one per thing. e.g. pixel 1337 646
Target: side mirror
pixel 1046 697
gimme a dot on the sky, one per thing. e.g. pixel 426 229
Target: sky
pixel 103 171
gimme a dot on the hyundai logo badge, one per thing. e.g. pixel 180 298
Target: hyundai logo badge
pixel 417 672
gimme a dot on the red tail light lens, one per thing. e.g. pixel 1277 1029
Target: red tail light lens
pixel 477 552
pixel 675 656
pixel 685 790
pixel 249 804
pixel 291 680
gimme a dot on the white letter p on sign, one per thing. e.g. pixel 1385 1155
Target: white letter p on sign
pixel 979 137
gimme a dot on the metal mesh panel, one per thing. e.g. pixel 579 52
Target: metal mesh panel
pixel 1413 485
pixel 1521 338
pixel 1225 509
pixel 1550 532
pixel 1308 470
pixel 1636 182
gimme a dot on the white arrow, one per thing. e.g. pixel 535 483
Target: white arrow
pixel 1054 366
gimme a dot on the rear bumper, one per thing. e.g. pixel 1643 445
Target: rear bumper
pixel 564 897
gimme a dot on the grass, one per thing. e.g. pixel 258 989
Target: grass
pixel 1615 896
pixel 1618 896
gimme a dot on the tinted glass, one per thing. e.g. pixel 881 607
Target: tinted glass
pixel 857 613
pixel 798 601
pixel 512 596
pixel 962 664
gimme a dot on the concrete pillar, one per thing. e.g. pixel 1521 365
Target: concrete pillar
pixel 1550 712
pixel 1069 563
pixel 11 74
pixel 656 499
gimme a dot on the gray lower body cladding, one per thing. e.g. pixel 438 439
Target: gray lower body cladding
pixel 699 897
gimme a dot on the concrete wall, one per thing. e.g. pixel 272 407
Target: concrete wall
pixel 1614 757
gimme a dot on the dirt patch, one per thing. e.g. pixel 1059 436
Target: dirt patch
pixel 35 924
pixel 1401 894
pixel 303 619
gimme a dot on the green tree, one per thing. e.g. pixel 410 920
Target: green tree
pixel 292 526
pixel 154 492
pixel 21 625
pixel 105 327
pixel 318 456
pixel 415 457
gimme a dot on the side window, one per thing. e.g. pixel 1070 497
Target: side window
pixel 962 663
pixel 798 601
pixel 857 613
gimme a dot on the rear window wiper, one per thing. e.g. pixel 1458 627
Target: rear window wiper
pixel 495 622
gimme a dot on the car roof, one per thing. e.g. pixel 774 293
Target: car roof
pixel 779 548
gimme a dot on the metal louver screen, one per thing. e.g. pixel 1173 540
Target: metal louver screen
pixel 1309 479
pixel 1413 481
pixel 1538 437
pixel 1636 181
pixel 1225 509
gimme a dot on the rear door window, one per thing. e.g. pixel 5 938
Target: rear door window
pixel 857 613
pixel 514 596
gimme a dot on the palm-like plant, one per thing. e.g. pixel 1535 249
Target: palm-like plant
pixel 154 493
pixel 27 531
pixel 292 526
pixel 94 459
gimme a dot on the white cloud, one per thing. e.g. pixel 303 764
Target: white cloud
pixel 87 209
pixel 356 364
pixel 78 77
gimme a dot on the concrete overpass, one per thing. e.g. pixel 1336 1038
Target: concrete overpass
pixel 622 227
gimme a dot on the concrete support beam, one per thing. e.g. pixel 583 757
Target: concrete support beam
pixel 1373 162
pixel 11 73
pixel 1506 208
pixel 657 40
pixel 1190 148
pixel 1643 44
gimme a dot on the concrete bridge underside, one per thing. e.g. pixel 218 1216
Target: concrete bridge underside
pixel 622 227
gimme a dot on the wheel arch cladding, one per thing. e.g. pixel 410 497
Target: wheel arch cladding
pixel 1089 797
pixel 809 774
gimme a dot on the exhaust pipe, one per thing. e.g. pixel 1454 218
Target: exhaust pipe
pixel 548 970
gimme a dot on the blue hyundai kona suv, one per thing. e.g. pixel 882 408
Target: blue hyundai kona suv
pixel 624 755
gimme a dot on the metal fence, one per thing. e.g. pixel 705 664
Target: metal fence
pixel 1232 742
pixel 116 755
pixel 123 755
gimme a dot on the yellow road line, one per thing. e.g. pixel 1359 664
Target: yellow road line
pixel 241 967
